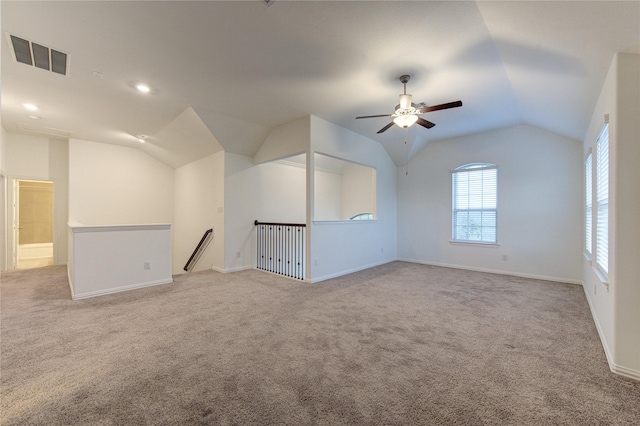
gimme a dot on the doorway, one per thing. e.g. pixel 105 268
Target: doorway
pixel 33 218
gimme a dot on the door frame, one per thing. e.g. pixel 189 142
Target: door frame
pixel 11 219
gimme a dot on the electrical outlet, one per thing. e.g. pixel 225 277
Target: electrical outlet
pixel 238 255
pixel 147 266
pixel 315 261
pixel 381 249
pixel 504 257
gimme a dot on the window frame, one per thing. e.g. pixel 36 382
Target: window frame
pixel 601 204
pixel 588 216
pixel 455 210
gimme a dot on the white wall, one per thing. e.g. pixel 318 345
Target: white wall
pixel 358 190
pixel 27 156
pixel 3 135
pixel 626 214
pixel 111 259
pixel 198 206
pixel 59 172
pixel 601 302
pixel 36 157
pixel 539 204
pixel 285 141
pixel 616 310
pixel 270 192
pixel 113 185
pixel 327 192
pixel 337 248
pixel 3 204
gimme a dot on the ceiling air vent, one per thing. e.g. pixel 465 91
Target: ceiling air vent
pixel 34 54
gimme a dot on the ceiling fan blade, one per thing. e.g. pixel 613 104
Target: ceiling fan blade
pixel 385 127
pixel 425 123
pixel 375 116
pixel 441 106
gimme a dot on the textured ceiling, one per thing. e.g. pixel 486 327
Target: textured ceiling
pixel 242 67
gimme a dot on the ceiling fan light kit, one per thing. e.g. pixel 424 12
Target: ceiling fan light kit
pixel 405 121
pixel 407 113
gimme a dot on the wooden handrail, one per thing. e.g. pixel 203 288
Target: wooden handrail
pixel 198 247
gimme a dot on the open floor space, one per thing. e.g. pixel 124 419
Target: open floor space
pixel 400 343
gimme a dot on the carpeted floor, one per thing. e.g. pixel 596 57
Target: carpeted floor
pixel 394 345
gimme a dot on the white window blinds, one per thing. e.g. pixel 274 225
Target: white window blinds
pixel 602 200
pixel 588 220
pixel 475 214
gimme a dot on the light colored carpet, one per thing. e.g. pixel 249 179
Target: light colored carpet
pixel 397 344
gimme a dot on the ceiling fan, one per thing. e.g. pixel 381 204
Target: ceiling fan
pixel 407 113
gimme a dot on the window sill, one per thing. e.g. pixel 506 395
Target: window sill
pixel 474 243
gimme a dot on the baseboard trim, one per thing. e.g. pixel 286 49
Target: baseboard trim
pixel 615 369
pixel 494 271
pixel 625 372
pixel 230 270
pixel 349 271
pixel 119 289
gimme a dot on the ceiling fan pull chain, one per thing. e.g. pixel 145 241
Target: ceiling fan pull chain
pixel 406 163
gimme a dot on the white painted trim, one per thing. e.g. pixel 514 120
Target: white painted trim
pixel 79 228
pixel 625 372
pixel 347 272
pixel 231 270
pixel 607 350
pixel 616 369
pixel 495 271
pixel 474 243
pixel 119 289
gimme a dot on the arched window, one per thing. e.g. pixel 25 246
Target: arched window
pixel 362 216
pixel 475 196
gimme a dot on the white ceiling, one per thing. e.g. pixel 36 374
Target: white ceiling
pixel 239 68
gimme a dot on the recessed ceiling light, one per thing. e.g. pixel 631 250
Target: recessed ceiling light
pixel 35 117
pixel 141 138
pixel 143 88
pixel 30 107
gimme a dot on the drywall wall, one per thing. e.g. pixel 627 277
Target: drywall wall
pixel 284 141
pixel 27 156
pixel 111 259
pixel 539 204
pixel 616 307
pixel 270 192
pixel 3 204
pixel 3 136
pixel 625 174
pixel 59 172
pixel 601 301
pixel 358 191
pixel 327 192
pixel 338 248
pixel 114 185
pixel 36 157
pixel 198 206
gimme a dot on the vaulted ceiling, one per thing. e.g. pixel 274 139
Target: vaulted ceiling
pixel 236 69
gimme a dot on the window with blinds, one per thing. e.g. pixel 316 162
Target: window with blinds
pixel 602 200
pixel 475 214
pixel 588 196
